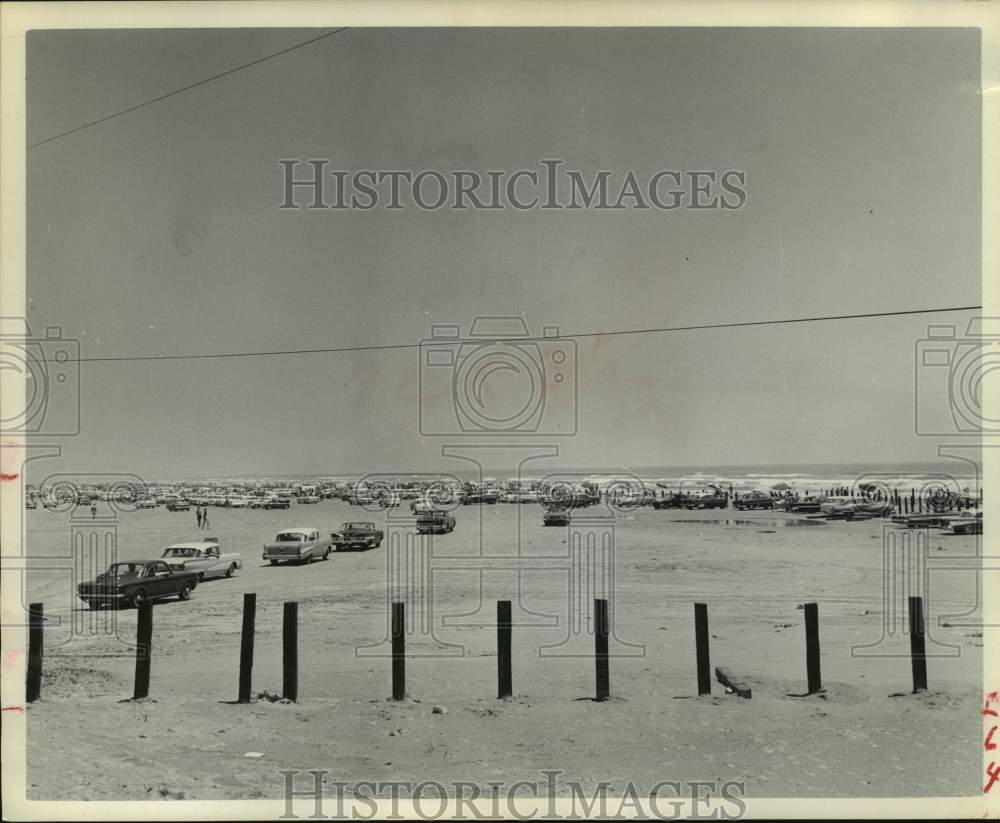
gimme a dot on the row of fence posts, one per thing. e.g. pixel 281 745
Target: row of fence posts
pixel 505 678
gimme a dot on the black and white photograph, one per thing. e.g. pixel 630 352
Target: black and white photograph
pixel 551 412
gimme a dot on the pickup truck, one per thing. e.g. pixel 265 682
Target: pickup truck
pixel 435 522
pixel 357 536
pixel 301 543
pixel 202 556
pixel 136 582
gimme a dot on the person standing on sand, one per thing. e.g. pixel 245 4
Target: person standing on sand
pixel 204 517
pixel 93 511
pixel 197 515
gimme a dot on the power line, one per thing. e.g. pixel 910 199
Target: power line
pixel 187 88
pixel 478 340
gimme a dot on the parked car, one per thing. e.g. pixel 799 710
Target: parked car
pixel 754 500
pixel 556 517
pixel 238 503
pixel 705 501
pixel 309 498
pixel 836 503
pixel 435 522
pixel 357 536
pixel 178 506
pixel 202 556
pixel 146 503
pixel 301 543
pixel 135 582
pixel 807 505
pixel 970 524
pixel 277 503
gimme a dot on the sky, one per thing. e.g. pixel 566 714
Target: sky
pixel 158 232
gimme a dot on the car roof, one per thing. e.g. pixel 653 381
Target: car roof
pixel 299 529
pixel 139 562
pixel 195 544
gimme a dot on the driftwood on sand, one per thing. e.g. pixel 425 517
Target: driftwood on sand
pixel 730 680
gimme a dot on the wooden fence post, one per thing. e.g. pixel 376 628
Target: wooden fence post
pixel 246 646
pixel 398 652
pixel 601 648
pixel 143 650
pixel 701 648
pixel 33 685
pixel 812 648
pixel 290 652
pixel 505 679
pixel 918 655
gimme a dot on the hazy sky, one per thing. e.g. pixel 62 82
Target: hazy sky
pixel 157 233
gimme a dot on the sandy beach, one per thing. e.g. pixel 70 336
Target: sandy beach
pixel 865 736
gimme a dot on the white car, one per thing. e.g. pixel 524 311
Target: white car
pixel 239 503
pixel 300 543
pixel 202 556
pixel 147 503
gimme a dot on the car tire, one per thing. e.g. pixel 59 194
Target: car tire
pixel 273 562
pixel 94 605
pixel 231 570
pixel 185 592
pixel 201 577
pixel 138 598
pixel 326 554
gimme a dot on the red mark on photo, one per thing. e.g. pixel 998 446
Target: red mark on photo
pixel 8 476
pixel 12 709
pixel 993 771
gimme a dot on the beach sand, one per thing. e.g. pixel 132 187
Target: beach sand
pixel 866 736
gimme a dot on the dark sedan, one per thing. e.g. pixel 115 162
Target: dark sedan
pixel 135 582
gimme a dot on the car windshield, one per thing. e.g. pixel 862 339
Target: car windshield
pixel 123 570
pixel 356 527
pixel 181 552
pixel 291 537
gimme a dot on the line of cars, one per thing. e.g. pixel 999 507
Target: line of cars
pixel 306 544
pixel 183 566
pixel 967 522
pixel 175 573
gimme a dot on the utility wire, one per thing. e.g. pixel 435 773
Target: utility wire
pixel 186 88
pixel 480 340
